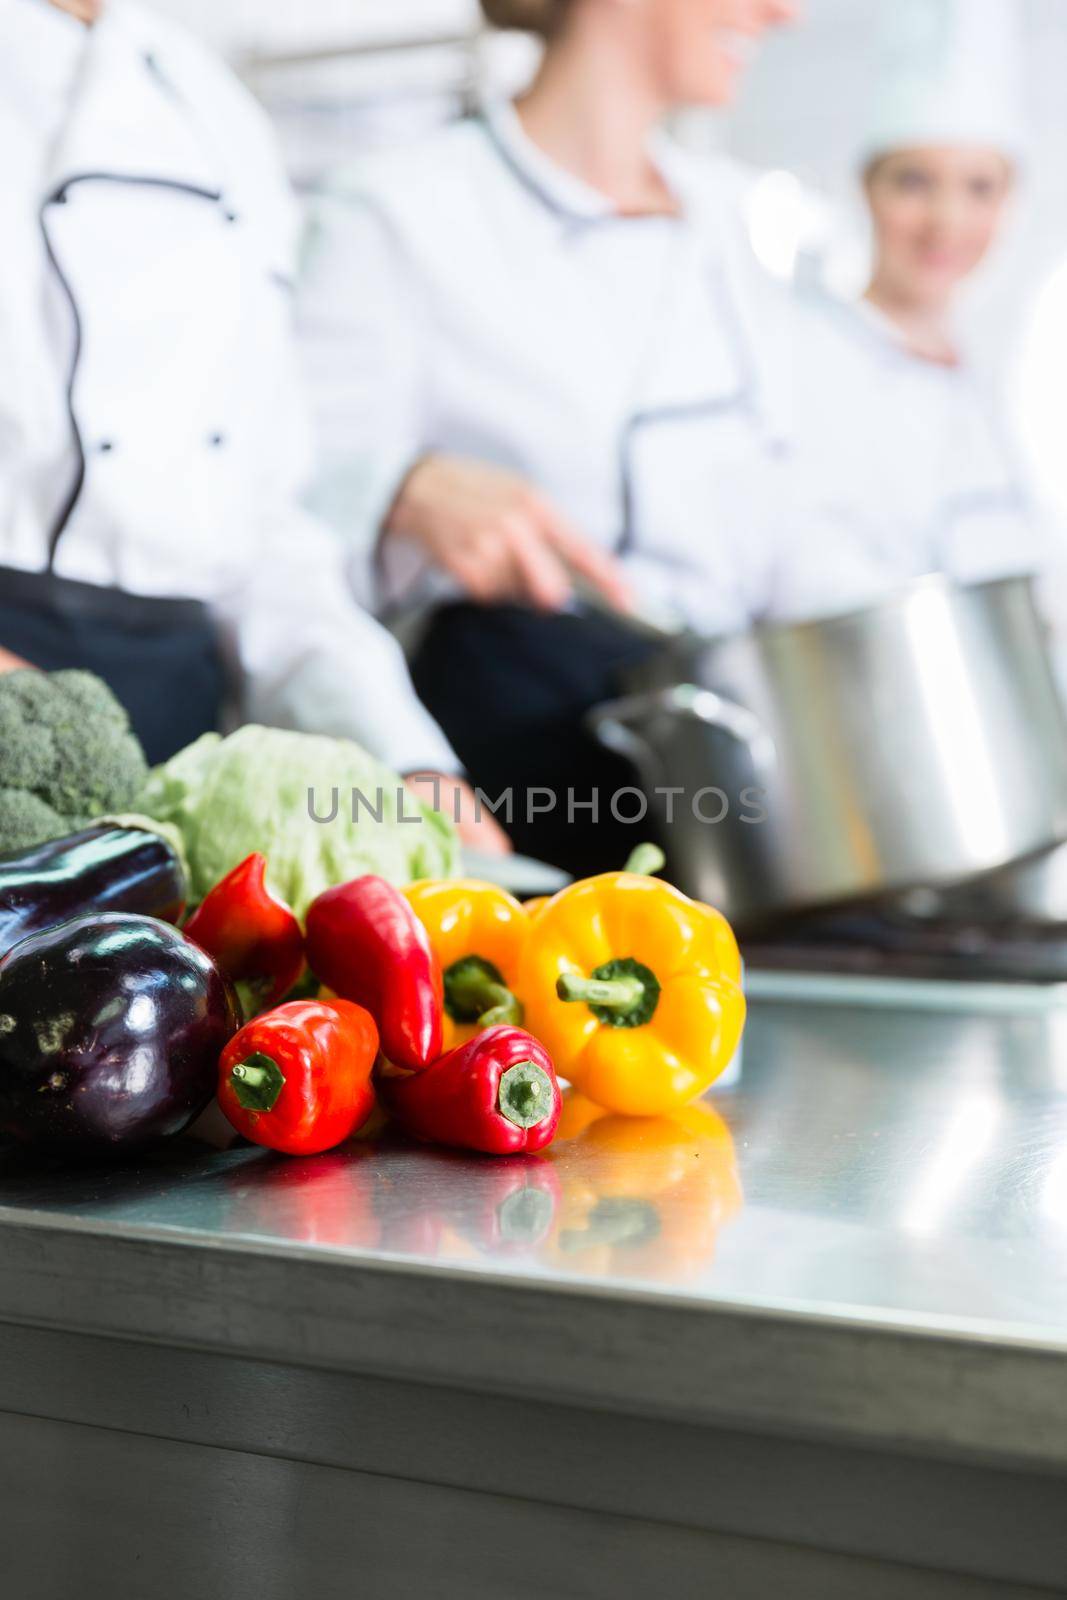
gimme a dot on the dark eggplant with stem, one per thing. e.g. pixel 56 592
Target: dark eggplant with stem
pixel 111 1028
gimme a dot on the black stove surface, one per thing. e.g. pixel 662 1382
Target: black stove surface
pixel 889 944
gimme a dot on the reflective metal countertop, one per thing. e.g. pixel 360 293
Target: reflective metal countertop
pixel 894 1154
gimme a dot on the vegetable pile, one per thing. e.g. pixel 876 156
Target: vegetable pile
pixel 304 989
pixel 115 1027
pixel 298 1078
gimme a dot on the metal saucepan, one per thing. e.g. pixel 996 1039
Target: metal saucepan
pixel 921 741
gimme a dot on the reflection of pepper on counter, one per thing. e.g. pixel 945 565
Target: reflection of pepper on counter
pixel 324 1199
pixel 411 1218
pixel 635 991
pixel 465 1207
pixel 643 1197
pixel 512 1206
pixel 478 933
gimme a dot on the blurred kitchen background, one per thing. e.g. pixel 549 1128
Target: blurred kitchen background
pixel 339 75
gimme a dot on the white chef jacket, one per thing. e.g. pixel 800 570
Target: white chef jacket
pixel 466 296
pixel 147 262
pixel 899 466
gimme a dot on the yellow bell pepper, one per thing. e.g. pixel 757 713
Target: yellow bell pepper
pixel 478 933
pixel 635 991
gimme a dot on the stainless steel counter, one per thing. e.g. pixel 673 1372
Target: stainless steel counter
pixel 863 1246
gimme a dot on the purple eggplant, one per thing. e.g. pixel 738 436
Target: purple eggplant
pixel 104 868
pixel 111 1029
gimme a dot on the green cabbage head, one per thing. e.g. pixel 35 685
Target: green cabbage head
pixel 263 788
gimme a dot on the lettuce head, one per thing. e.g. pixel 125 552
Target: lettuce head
pixel 320 810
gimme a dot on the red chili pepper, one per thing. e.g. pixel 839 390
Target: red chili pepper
pixel 497 1093
pixel 297 1079
pixel 366 943
pixel 253 935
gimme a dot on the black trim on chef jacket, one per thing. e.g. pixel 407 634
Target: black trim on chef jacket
pixel 527 181
pixel 662 416
pixel 160 655
pixel 58 197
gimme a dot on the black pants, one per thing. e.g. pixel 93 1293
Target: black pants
pixel 159 657
pixel 510 687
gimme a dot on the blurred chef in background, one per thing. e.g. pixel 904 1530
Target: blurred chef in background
pixel 904 464
pixel 152 444
pixel 539 350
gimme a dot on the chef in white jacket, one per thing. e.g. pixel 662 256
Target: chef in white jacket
pixel 152 441
pixel 540 355
pixel 903 463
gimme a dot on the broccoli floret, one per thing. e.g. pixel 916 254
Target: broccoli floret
pixel 91 697
pixel 25 762
pixel 67 749
pixel 100 765
pixel 26 820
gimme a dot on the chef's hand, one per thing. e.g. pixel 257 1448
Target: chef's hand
pixel 10 663
pixel 476 827
pixel 497 537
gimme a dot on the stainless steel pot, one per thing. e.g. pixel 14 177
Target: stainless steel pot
pixel 921 741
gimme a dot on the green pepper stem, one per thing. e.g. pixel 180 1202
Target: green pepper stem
pixel 507 1012
pixel 257 1082
pixel 252 995
pixel 623 993
pixel 617 994
pixel 525 1094
pixel 476 992
pixel 646 860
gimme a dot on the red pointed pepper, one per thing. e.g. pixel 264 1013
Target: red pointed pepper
pixel 253 935
pixel 366 943
pixel 497 1093
pixel 298 1079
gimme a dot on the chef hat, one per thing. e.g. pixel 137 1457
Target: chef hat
pixel 950 73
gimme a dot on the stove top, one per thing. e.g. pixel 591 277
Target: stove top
pixel 892 944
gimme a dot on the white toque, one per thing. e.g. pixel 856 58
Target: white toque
pixel 950 72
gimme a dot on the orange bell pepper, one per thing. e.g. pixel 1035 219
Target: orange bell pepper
pixel 478 933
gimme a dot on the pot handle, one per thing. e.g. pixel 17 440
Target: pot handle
pixel 611 723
